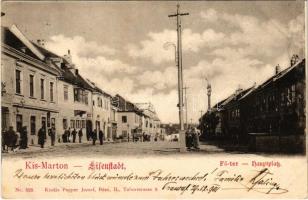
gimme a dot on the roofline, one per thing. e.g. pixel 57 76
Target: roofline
pixel 30 60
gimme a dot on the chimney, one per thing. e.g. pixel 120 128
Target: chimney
pixel 41 43
pixel 68 57
pixel 277 69
pixel 294 59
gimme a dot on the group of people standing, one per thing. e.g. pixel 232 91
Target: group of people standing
pixel 13 139
pixel 70 136
pixel 192 138
pixel 93 136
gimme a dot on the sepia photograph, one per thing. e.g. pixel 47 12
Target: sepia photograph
pixel 130 86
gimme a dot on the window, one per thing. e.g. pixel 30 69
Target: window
pixel 53 122
pixel 42 89
pixel 18 81
pixel 76 94
pixel 98 102
pixel 31 82
pixel 77 124
pixel 18 123
pixel 72 124
pixel 93 103
pixel 86 98
pixel 83 124
pixel 32 125
pixel 64 124
pixel 65 91
pixel 51 91
pixel 124 119
pixel 124 133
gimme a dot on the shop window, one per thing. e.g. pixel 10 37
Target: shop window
pixel 72 124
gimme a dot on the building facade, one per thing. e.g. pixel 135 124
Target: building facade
pixel 29 85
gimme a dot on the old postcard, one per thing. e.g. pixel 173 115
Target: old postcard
pixel 153 99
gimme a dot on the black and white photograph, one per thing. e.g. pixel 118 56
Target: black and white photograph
pixel 153 79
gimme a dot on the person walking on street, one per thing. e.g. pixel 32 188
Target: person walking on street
pixel 64 137
pixel 52 136
pixel 80 135
pixel 94 136
pixel 41 136
pixel 195 135
pixel 189 138
pixel 101 137
pixel 74 133
pixel 23 138
pixel 68 135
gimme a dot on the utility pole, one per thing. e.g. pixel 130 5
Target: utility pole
pixel 180 74
pixel 185 96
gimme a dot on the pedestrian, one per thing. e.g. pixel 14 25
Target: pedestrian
pixel 23 142
pixel 41 136
pixel 195 136
pixel 143 135
pixel 53 136
pixel 94 136
pixel 101 137
pixel 10 138
pixel 74 133
pixel 188 136
pixel 80 135
pixel 68 134
pixel 64 137
pixel 4 140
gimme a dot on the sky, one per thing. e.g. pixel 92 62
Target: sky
pixel 120 45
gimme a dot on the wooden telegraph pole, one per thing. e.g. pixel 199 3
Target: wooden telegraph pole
pixel 180 74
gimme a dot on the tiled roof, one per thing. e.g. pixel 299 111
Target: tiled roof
pixel 8 38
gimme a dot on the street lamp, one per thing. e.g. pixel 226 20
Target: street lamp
pixel 166 47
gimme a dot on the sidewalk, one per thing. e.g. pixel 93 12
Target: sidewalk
pixel 49 148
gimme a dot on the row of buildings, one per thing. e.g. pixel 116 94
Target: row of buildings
pixel 40 88
pixel 268 117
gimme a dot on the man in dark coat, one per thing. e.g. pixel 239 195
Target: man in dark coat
pixel 101 137
pixel 68 134
pixel 41 136
pixel 74 133
pixel 94 136
pixel 53 136
pixel 80 134
pixel 10 138
pixel 189 139
pixel 64 137
pixel 23 138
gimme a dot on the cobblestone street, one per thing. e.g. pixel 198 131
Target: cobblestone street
pixel 139 149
